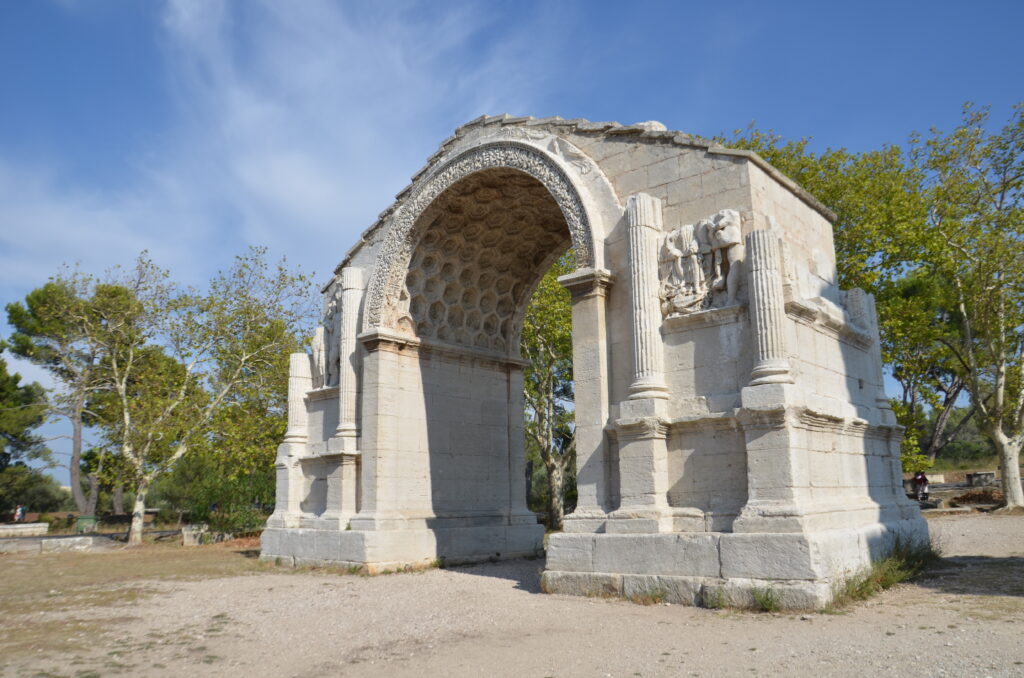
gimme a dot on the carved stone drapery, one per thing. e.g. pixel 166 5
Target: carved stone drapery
pixel 388 279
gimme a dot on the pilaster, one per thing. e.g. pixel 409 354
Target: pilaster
pixel 589 289
pixel 767 309
pixel 347 432
pixel 289 477
pixel 644 226
pixel 642 433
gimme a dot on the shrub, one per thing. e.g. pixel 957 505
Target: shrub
pixel 766 599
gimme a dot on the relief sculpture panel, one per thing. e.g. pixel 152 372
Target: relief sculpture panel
pixel 700 264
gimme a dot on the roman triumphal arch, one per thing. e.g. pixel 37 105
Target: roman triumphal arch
pixel 732 431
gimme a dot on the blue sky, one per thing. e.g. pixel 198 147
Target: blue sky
pixel 194 128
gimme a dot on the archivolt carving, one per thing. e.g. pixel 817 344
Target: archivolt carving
pixel 387 285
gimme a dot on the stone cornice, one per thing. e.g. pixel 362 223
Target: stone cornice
pixel 832 321
pixel 375 340
pixel 708 318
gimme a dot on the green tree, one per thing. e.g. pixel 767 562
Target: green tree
pixel 22 409
pixel 175 358
pixel 550 424
pixel 975 239
pixel 880 202
pixel 52 329
pixel 31 488
pixel 232 468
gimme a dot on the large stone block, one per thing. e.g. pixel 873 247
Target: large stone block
pixel 767 556
pixel 669 554
pixel 676 590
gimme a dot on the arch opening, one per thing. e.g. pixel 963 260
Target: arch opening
pixel 481 247
pixel 385 303
pixel 479 250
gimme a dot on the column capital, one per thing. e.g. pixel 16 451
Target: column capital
pixel 643 428
pixel 586 282
pixel 351 278
pixel 643 210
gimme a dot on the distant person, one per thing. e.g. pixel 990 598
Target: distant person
pixel 921 486
pixel 19 513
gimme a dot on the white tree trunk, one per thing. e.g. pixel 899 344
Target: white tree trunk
pixel 1009 461
pixel 556 491
pixel 138 514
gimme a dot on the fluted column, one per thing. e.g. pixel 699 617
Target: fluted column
pixel 644 225
pixel 290 481
pixel 767 309
pixel 351 296
pixel 300 380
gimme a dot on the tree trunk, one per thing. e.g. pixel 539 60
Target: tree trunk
pixel 94 495
pixel 939 439
pixel 117 499
pixel 556 492
pixel 1009 462
pixel 138 514
pixel 75 466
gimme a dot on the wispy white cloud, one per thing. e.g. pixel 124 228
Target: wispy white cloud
pixel 292 126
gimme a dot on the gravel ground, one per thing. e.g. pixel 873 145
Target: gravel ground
pixel 965 617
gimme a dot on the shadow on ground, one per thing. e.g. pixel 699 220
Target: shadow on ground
pixel 525 572
pixel 976 576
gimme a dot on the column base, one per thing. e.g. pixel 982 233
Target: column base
pixel 333 521
pixel 639 520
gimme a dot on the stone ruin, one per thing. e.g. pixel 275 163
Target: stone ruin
pixel 732 429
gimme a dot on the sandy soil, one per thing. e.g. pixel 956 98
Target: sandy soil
pixel 965 617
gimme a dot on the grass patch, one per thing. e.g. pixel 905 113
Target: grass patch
pixel 714 599
pixel 766 599
pixel 904 563
pixel 652 597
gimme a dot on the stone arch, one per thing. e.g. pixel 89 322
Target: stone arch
pixel 384 295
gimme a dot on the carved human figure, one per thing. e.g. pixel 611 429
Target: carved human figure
pixel 319 358
pixel 727 243
pixel 683 287
pixel 332 345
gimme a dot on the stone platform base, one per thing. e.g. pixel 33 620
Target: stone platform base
pixel 377 551
pixel 800 570
pixel 57 544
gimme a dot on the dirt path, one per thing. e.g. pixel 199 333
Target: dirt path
pixel 965 618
